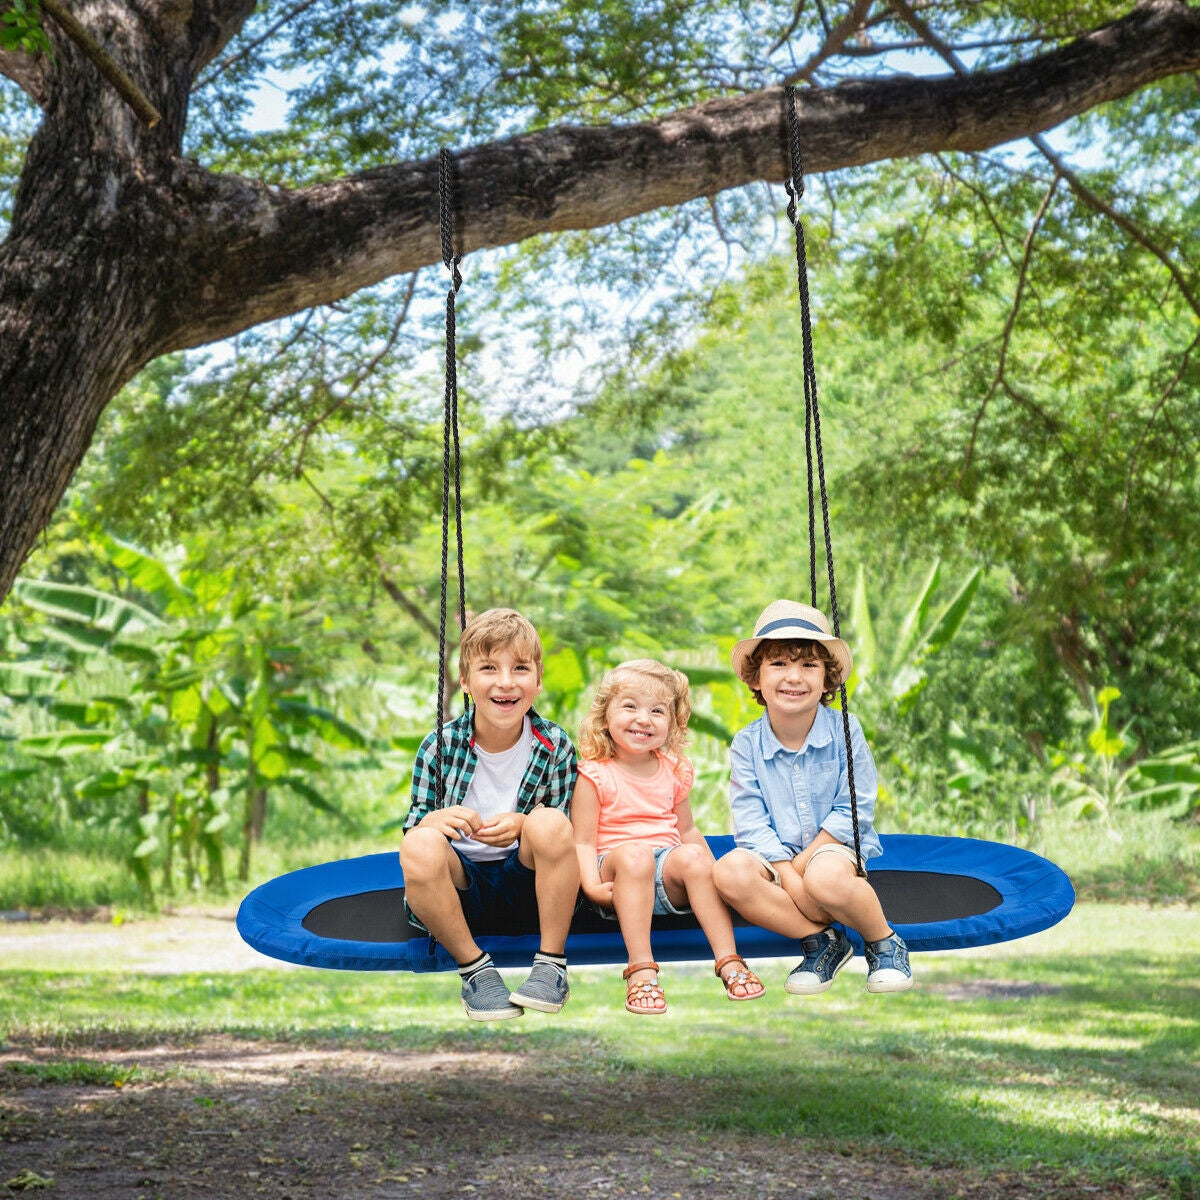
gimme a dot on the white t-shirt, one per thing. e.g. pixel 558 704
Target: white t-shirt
pixel 493 791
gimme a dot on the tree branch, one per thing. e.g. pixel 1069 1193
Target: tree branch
pixel 27 71
pixel 841 33
pixel 1081 190
pixel 259 253
pixel 1159 407
pixel 998 378
pixel 103 62
pixel 250 47
pixel 1120 220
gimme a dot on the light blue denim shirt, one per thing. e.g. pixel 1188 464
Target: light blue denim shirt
pixel 781 799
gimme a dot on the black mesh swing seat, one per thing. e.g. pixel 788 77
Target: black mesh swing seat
pixel 940 893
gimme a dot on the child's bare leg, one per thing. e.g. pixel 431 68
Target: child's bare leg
pixel 548 847
pixel 688 879
pixel 630 868
pixel 433 875
pixel 792 882
pixel 844 896
pixel 742 882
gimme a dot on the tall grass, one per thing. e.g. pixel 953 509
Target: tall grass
pixel 65 879
pixel 1151 858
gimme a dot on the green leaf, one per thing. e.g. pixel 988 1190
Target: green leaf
pixel 107 783
pixel 914 619
pixel 704 676
pixel 1171 772
pixel 55 745
pixel 10 776
pixel 322 723
pixel 952 616
pixel 149 575
pixel 712 727
pixel 85 605
pixel 77 638
pixel 866 651
pixel 564 672
pixel 315 798
pixel 74 711
pixel 23 680
pixel 146 847
pixel 1106 743
pixel 410 742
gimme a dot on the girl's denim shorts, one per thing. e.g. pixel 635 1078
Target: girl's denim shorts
pixel 662 904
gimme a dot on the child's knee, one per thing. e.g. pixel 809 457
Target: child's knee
pixel 691 862
pixel 549 829
pixel 633 860
pixel 735 873
pixel 423 854
pixel 830 880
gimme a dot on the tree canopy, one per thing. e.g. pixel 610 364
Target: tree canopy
pixel 128 241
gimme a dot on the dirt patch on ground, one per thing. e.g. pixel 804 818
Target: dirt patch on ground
pixel 229 1118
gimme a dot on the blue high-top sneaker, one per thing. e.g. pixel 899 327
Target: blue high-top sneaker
pixel 887 965
pixel 825 954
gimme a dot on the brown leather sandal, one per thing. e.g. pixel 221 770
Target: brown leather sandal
pixel 745 977
pixel 643 990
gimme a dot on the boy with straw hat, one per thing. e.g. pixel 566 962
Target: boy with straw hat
pixel 794 870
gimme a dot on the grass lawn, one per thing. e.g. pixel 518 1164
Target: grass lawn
pixel 1074 1054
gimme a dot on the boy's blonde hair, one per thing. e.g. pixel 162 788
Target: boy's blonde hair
pixel 496 629
pixel 595 742
pixel 791 649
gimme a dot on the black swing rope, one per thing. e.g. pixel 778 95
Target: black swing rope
pixel 451 456
pixel 812 434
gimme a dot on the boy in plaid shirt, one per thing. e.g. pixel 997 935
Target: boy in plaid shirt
pixel 499 855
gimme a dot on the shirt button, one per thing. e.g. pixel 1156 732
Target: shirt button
pixel 795 766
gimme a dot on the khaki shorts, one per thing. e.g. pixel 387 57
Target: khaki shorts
pixel 826 848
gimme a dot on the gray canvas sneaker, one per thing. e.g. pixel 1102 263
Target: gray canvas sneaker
pixel 485 997
pixel 545 990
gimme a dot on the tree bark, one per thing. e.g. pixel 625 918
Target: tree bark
pixel 122 250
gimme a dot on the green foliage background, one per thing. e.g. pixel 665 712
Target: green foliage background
pixel 1008 385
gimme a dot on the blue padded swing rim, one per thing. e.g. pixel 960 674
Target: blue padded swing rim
pixel 1035 894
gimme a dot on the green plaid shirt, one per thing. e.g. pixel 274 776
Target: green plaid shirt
pixel 549 775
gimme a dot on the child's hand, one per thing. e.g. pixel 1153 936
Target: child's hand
pixel 454 822
pixel 599 893
pixel 501 830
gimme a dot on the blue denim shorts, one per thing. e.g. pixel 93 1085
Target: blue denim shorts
pixel 499 896
pixel 662 903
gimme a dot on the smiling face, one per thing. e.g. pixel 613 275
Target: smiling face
pixel 791 683
pixel 503 683
pixel 638 721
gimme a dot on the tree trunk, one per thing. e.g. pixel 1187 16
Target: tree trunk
pixel 121 249
pixel 214 842
pixel 248 804
pixel 258 817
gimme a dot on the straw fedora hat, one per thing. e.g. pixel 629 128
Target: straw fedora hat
pixel 787 620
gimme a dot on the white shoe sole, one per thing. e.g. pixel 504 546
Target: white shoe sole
pixel 493 1014
pixel 889 980
pixel 546 1006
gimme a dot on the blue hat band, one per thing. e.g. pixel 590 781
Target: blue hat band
pixel 791 622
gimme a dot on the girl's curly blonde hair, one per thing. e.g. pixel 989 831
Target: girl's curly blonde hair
pixel 595 742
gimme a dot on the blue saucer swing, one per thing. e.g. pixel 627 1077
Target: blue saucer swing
pixel 939 893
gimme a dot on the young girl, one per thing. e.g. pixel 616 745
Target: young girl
pixel 640 852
